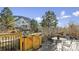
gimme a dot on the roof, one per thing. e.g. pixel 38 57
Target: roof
pixel 25 18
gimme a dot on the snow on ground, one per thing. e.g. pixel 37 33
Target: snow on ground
pixel 62 45
pixel 68 45
pixel 55 38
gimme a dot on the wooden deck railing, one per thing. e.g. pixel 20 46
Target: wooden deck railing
pixel 15 41
pixel 9 40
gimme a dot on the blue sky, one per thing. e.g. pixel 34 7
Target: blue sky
pixel 65 15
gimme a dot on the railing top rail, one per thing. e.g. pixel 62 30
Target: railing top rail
pixel 36 34
pixel 9 33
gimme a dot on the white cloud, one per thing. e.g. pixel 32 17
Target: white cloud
pixel 76 13
pixel 66 16
pixel 38 19
pixel 63 16
pixel 62 13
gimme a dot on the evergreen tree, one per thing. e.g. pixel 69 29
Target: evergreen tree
pixel 49 22
pixel 34 25
pixel 7 18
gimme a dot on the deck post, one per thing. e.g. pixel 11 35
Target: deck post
pixel 20 41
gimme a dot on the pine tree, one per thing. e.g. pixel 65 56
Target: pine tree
pixel 34 25
pixel 49 22
pixel 7 18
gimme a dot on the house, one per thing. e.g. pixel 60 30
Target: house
pixel 22 23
